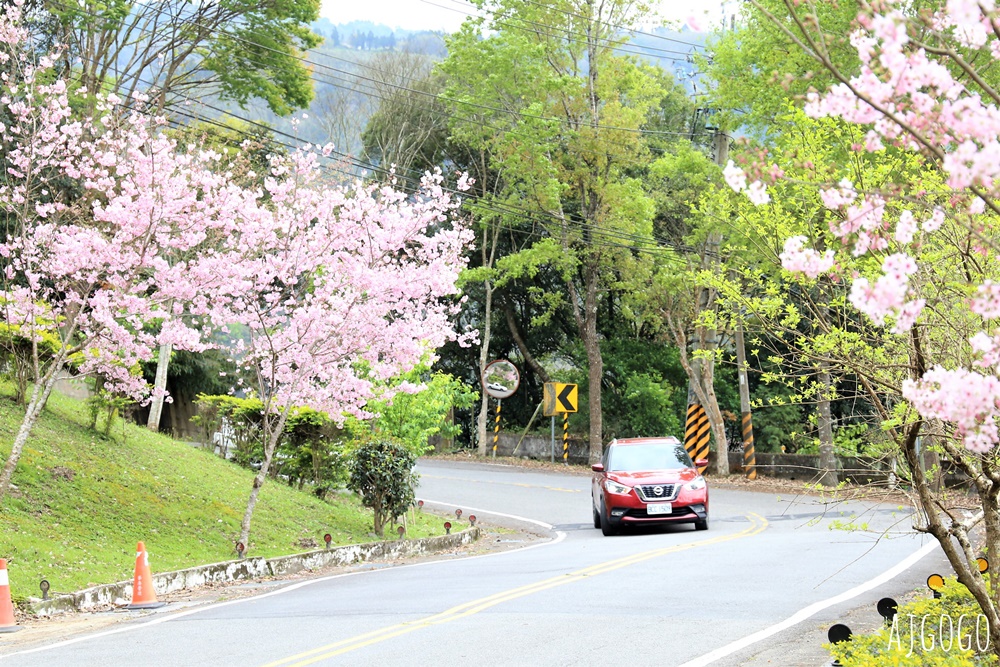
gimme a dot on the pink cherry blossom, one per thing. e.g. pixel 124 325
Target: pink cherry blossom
pixel 906 227
pixel 799 259
pixel 757 194
pixel 337 289
pixel 965 398
pixel 735 177
pixel 837 198
pixel 694 23
pixel 987 300
pixel 911 98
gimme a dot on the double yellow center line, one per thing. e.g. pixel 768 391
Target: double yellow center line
pixel 757 525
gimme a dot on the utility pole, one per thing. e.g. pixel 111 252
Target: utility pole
pixel 703 415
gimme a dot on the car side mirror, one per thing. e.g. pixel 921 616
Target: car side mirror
pixel 701 463
pixel 597 467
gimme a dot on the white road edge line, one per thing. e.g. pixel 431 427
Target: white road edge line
pixel 812 609
pixel 164 617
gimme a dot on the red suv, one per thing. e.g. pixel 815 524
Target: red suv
pixel 642 481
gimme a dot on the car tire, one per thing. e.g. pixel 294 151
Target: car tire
pixel 597 515
pixel 701 525
pixel 607 527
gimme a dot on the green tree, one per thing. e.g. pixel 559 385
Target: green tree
pixel 757 67
pixel 644 395
pixel 236 49
pixel 382 475
pixel 412 418
pixel 562 116
pixel 815 344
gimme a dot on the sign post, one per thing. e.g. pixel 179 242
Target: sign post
pixel 566 438
pixel 496 429
pixel 500 380
pixel 559 399
pixel 552 456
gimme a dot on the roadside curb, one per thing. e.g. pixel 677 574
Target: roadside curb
pixel 119 594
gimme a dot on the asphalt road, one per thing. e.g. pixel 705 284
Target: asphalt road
pixel 671 595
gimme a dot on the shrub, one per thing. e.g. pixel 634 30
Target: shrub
pixel 924 633
pixel 382 475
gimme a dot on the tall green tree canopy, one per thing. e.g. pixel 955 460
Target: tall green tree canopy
pixel 563 119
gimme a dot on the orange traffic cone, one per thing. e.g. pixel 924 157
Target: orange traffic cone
pixel 6 606
pixel 143 593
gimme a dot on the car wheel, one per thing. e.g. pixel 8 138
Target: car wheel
pixel 607 527
pixel 701 525
pixel 597 516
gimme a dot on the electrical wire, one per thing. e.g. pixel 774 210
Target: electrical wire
pixel 634 241
pixel 370 90
pixel 614 25
pixel 553 31
pixel 415 91
pixel 606 238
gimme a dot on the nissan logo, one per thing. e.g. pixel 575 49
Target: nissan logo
pixel 658 490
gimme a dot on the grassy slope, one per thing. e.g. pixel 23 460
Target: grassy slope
pixel 83 501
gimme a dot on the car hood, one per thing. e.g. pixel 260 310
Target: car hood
pixel 654 476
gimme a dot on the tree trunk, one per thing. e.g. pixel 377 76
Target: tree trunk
pixel 39 397
pixel 711 402
pixel 595 362
pixel 272 435
pixel 701 389
pixel 718 425
pixel 159 388
pixel 827 458
pixel 522 346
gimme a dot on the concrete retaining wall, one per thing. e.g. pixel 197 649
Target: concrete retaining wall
pixel 120 593
pixel 540 446
pixel 805 467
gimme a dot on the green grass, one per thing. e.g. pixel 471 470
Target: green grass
pixel 83 502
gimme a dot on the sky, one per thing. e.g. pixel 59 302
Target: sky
pixel 447 15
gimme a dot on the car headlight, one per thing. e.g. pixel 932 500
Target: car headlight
pixel 615 487
pixel 696 484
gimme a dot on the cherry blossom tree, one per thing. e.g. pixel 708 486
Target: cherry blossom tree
pixel 93 208
pixel 920 258
pixel 113 228
pixel 360 290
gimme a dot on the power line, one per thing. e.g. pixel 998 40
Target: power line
pixel 634 240
pixel 415 91
pixel 369 88
pixel 610 238
pixel 608 41
pixel 363 87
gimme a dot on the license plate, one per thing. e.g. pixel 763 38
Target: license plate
pixel 659 508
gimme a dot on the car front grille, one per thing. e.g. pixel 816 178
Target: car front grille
pixel 652 492
pixel 679 512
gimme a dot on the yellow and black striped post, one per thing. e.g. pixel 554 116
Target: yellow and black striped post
pixel 749 456
pixel 496 430
pixel 566 438
pixel 696 433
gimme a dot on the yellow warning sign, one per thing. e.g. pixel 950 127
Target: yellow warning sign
pixel 559 398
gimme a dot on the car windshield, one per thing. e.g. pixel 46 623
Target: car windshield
pixel 661 456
